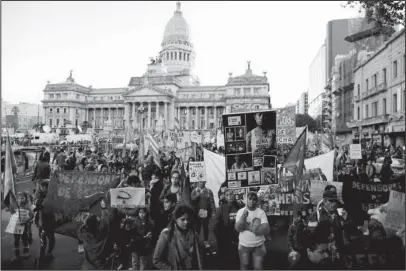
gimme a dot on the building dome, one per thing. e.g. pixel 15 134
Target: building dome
pixel 177 28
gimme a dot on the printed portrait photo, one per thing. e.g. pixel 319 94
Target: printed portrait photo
pixel 258 162
pixel 270 161
pixel 230 134
pixel 231 176
pixel 240 133
pixel 261 133
pixel 268 176
pixel 239 162
pixel 254 178
pixel 242 175
pixel 236 147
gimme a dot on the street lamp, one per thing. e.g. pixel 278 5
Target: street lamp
pixel 141 110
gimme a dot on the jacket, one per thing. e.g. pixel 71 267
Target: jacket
pixel 204 200
pixel 224 226
pixel 165 257
pixel 139 243
pixel 295 232
pixel 42 171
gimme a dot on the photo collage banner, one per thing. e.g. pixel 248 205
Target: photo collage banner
pixel 250 148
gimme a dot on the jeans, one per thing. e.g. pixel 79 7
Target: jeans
pixel 257 254
pixel 24 239
pixel 205 223
pixel 138 262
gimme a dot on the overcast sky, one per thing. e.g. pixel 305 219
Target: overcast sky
pixel 106 43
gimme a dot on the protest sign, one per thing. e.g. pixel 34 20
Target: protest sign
pixel 249 137
pixel 127 197
pixel 14 226
pixel 196 137
pixel 286 125
pixel 325 164
pixel 220 139
pixel 240 195
pixel 183 140
pixel 70 192
pixel 185 153
pixel 395 216
pixel 197 172
pixel 355 151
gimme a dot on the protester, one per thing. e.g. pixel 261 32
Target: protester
pixel 370 170
pixel 204 202
pixel 24 218
pixel 165 215
pixel 295 238
pixel 174 187
pixel 96 235
pixel 252 224
pixel 141 239
pixel 155 189
pixel 178 245
pixel 42 172
pixel 226 235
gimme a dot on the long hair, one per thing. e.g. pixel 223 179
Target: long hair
pixel 179 211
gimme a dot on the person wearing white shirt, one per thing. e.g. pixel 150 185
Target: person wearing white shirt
pixel 252 225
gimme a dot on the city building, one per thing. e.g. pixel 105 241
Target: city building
pixel 28 114
pixel 302 105
pixel 379 94
pixel 322 65
pixel 342 87
pixel 169 89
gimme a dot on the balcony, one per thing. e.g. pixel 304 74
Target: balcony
pixel 374 91
pixel 369 121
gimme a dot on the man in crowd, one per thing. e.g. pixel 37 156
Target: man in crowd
pixel 252 225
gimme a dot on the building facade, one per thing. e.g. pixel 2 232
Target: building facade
pixel 302 105
pixel 169 89
pixel 379 95
pixel 28 114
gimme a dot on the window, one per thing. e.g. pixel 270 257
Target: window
pixel 184 56
pixel 358 113
pixel 77 96
pixel 58 96
pixel 50 110
pixel 64 110
pixel 366 85
pixel 176 54
pixel 188 57
pixel 375 80
pixel 366 111
pixel 167 55
pixel 171 55
pixel 374 109
pixel 57 110
pixel 237 91
pixel 395 103
pixel 395 69
pixel 211 96
pixel 51 96
pixel 247 91
pixel 211 110
pixel 94 98
pixel 77 111
pixel 257 91
pixel 65 96
pixel 257 107
pixel 76 122
pixel 384 76
pixel 384 106
pixel 50 122
pixel 57 122
pixel 359 91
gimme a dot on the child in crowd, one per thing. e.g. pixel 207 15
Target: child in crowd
pixel 25 216
pixel 141 239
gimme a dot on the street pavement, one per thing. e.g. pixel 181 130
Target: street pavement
pixel 66 256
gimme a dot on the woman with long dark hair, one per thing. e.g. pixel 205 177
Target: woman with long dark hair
pixel 178 244
pixel 175 187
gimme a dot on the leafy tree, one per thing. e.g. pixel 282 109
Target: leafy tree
pixel 305 119
pixel 85 125
pixel 39 127
pixel 381 12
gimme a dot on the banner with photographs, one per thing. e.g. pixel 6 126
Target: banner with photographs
pixel 240 195
pixel 250 148
pixel 286 125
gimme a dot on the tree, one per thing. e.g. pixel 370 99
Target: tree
pixel 16 111
pixel 85 125
pixel 39 127
pixel 381 12
pixel 305 119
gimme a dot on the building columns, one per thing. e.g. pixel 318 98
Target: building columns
pixel 206 119
pixel 197 118
pixel 156 111
pixel 166 117
pixel 187 117
pixel 149 115
pixel 215 116
pixel 94 117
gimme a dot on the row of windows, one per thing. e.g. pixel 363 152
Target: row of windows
pixel 202 95
pixel 374 79
pixel 220 111
pixel 247 91
pixel 63 123
pixel 176 42
pixel 64 110
pixel 64 96
pixel 373 111
pixel 176 55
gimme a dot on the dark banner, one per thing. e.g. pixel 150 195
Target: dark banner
pixel 70 192
pixel 250 148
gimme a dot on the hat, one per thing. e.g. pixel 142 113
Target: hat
pixel 330 195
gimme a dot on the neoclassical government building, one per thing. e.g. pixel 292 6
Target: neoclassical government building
pixel 168 90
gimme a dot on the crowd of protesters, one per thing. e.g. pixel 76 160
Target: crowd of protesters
pixel 167 232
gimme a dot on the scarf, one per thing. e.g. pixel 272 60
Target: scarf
pixel 185 248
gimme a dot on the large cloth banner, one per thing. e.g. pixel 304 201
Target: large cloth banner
pixel 324 162
pixel 250 140
pixel 197 172
pixel 127 197
pixel 286 125
pixel 69 193
pixel 215 172
pixel 183 140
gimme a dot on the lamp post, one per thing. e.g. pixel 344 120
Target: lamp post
pixel 141 110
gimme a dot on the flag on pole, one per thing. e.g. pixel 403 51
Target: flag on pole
pixel 10 199
pixel 177 125
pixel 186 189
pixel 294 162
pixel 141 150
pixel 127 138
pixel 155 149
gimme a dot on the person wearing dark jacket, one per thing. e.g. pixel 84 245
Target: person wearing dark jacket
pixel 317 253
pixel 165 215
pixel 42 173
pixel 386 172
pixel 96 235
pixel 226 235
pixel 295 234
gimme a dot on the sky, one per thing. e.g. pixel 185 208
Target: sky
pixel 107 43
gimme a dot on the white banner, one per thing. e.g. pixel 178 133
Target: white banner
pixel 127 197
pixel 183 140
pixel 197 172
pixel 395 217
pixel 215 172
pixel 14 226
pixel 355 151
pixel 325 162
pixel 220 139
